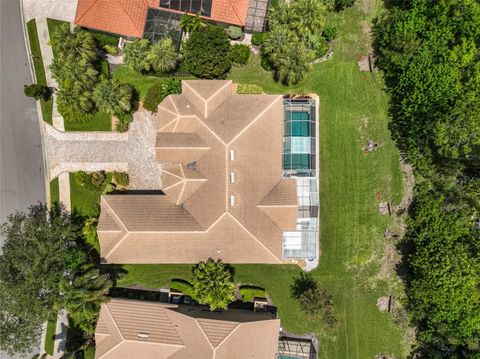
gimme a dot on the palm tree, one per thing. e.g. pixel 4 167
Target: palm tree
pixel 74 99
pixel 191 23
pixel 309 16
pixel 135 55
pixel 212 284
pixel 279 41
pixel 163 56
pixel 69 72
pixel 79 43
pixel 293 64
pixel 113 97
pixel 83 296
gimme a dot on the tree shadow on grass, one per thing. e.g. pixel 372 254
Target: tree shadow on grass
pixel 302 283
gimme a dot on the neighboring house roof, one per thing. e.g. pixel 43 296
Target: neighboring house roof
pixel 215 205
pixel 157 330
pixel 123 17
pixel 128 17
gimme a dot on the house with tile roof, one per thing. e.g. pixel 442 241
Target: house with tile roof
pixel 229 186
pixel 161 330
pixel 152 18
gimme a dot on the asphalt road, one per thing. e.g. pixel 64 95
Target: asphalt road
pixel 21 163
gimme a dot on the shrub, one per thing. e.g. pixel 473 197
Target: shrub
pixel 329 33
pixel 342 4
pixel 93 181
pixel 207 53
pixel 121 127
pixel 240 54
pixel 265 63
pixel 121 178
pixel 153 98
pixel 234 32
pixel 89 232
pixel 319 45
pixel 113 96
pixel 212 284
pixel 258 38
pixel 171 86
pixel 111 49
pixel 38 92
pixel 182 286
pixel 249 292
pixel 249 89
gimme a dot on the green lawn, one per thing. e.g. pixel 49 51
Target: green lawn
pixel 99 121
pixel 84 201
pixel 353 109
pixel 140 82
pixel 50 336
pixel 46 106
pixel 54 191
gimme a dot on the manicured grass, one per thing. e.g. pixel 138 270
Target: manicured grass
pixel 50 336
pixel 54 191
pixel 46 106
pixel 139 82
pixel 84 201
pixel 99 121
pixel 249 293
pixel 353 109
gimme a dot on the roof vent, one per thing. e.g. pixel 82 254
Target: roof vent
pixel 232 155
pixel 232 200
pixel 143 335
pixel 232 177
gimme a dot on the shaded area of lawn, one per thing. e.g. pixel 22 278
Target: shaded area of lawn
pixel 46 106
pixel 353 110
pixel 50 336
pixel 54 191
pixel 99 121
pixel 84 201
pixel 139 82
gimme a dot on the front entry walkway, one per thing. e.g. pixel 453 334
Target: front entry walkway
pixel 132 152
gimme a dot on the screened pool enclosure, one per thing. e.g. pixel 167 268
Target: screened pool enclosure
pixel 161 24
pixel 300 149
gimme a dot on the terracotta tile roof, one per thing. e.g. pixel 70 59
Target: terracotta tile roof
pixel 122 17
pixel 128 17
pixel 158 330
pixel 197 217
pixel 230 11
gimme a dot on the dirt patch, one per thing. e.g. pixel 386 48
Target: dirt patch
pixel 389 261
pixel 383 303
pixel 363 63
pixel 409 183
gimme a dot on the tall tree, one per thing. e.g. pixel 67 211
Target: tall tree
pixel 83 296
pixel 444 294
pixel 113 97
pixel 212 284
pixel 162 56
pixel 207 53
pixel 40 250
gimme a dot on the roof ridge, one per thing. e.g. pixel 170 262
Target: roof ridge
pixel 140 32
pixel 254 237
pixel 86 11
pixel 235 10
pixel 228 335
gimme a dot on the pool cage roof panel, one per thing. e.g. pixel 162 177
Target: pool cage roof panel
pixel 204 7
pixel 299 142
pixel 161 24
pixel 290 347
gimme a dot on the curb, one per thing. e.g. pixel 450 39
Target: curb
pixel 39 108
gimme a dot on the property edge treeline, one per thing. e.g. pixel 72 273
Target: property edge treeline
pixel 429 51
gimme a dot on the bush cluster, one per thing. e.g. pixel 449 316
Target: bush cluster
pixel 249 89
pixel 145 57
pixel 240 54
pixel 93 181
pixel 206 53
pixel 258 38
pixel 294 38
pixel 121 178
